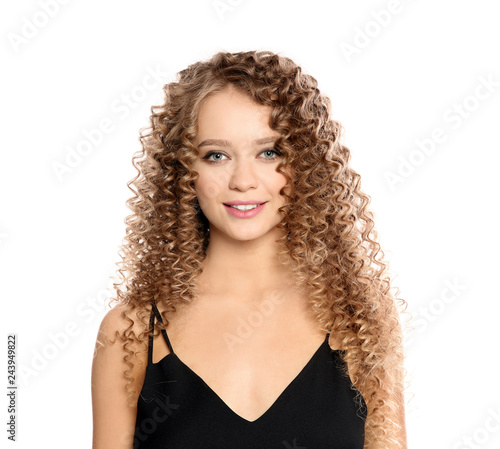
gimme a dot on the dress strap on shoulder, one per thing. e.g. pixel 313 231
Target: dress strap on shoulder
pixel 156 313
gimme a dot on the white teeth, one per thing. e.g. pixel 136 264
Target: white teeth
pixel 246 206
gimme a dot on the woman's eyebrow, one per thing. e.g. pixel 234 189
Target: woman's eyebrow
pixel 227 143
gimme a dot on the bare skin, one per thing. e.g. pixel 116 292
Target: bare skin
pixel 248 374
pixel 241 278
pixel 248 371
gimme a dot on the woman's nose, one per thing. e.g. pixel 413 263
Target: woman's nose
pixel 242 176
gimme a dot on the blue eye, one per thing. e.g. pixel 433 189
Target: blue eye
pixel 272 150
pixel 210 154
pixel 219 155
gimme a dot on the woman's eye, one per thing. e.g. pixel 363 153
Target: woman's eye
pixel 217 156
pixel 270 152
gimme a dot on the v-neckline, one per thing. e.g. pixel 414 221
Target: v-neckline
pixel 273 405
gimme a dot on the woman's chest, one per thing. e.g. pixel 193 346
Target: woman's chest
pixel 247 359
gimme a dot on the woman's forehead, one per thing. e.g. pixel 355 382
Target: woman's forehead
pixel 233 116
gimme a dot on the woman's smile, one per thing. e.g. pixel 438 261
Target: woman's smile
pixel 245 210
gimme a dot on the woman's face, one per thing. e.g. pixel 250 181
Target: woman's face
pixel 237 164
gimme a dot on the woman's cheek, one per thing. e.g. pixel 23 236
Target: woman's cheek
pixel 207 187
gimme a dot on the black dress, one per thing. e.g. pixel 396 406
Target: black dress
pixel 317 410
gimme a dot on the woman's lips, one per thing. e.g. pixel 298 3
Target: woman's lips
pixel 244 213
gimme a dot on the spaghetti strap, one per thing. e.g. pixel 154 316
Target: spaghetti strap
pixel 150 346
pixel 163 331
pixel 309 407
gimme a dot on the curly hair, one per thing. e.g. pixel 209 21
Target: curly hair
pixel 328 235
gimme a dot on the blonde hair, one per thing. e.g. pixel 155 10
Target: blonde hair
pixel 328 235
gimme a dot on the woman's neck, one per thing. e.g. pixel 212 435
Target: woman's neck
pixel 243 268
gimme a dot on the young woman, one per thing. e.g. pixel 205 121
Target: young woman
pixel 254 309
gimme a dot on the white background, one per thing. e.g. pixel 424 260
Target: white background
pixel 396 79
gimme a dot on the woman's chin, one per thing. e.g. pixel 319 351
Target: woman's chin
pixel 241 235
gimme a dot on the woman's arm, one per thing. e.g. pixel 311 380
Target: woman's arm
pixel 113 418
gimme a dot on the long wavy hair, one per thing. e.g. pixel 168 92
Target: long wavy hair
pixel 328 235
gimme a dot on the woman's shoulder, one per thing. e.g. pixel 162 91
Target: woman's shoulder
pixel 122 317
pixel 117 345
pixel 118 336
pixel 123 322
